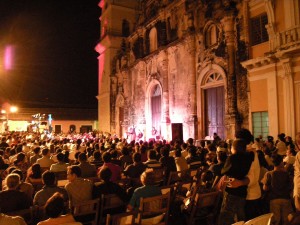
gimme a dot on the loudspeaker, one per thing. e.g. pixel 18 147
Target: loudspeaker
pixel 177 131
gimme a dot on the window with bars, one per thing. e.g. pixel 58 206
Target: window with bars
pixel 260 124
pixel 258 29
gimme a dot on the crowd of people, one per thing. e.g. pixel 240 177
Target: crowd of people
pixel 255 176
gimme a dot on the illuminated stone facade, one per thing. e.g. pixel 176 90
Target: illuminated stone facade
pixel 195 67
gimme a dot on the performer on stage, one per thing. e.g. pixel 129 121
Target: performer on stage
pixel 140 135
pixel 132 134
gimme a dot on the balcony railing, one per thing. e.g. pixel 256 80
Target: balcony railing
pixel 286 39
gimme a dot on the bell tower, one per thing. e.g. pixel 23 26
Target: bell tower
pixel 116 23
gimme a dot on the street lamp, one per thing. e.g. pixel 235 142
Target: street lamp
pixel 11 109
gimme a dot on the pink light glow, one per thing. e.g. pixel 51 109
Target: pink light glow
pixel 8 57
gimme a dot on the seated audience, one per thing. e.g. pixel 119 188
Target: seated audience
pixel 180 161
pixel 60 166
pixel 11 220
pixel 36 155
pixel 45 161
pixel 108 187
pixel 96 160
pixel 167 162
pixel 25 187
pixel 87 169
pixel 216 168
pixel 34 174
pixel 115 169
pixel 50 187
pixel 147 190
pixel 125 158
pixel 152 162
pixel 53 209
pixel 13 199
pixel 78 188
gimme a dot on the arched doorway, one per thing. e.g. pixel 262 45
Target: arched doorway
pixel 211 91
pixel 156 110
pixel 153 109
pixel 214 105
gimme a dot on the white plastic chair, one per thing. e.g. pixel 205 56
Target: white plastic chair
pixel 239 223
pixel 260 220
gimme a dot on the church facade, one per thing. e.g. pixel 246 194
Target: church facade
pixel 174 69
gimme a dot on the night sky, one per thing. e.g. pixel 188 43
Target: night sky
pixel 54 62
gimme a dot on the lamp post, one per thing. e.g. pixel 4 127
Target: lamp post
pixel 11 109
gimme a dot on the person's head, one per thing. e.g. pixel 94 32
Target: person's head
pixel 178 153
pixel 48 178
pixel 97 155
pixel 20 173
pixel 277 160
pixel 36 170
pixel 125 151
pixel 12 181
pixel 114 154
pixel 20 158
pixel 73 172
pixel 106 157
pixel 151 154
pixel 202 143
pixel 190 141
pixel 136 157
pixel 105 174
pixel 164 151
pixel 290 151
pixel 221 156
pixel 54 205
pixel 82 157
pixel 148 178
pixel 238 146
pixel 244 134
pixel 46 152
pixel 37 150
pixel 192 150
pixel 60 157
pixel 281 137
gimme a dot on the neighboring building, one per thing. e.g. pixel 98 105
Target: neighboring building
pixel 62 120
pixel 189 68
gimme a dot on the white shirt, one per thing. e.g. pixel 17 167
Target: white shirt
pixel 253 190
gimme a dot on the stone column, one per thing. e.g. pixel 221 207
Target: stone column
pixel 228 23
pixel 191 101
pixel 288 95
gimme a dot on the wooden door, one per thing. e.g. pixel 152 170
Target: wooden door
pixel 214 111
pixel 156 112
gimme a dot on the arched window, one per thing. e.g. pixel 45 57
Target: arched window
pixel 213 79
pixel 153 39
pixel 211 35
